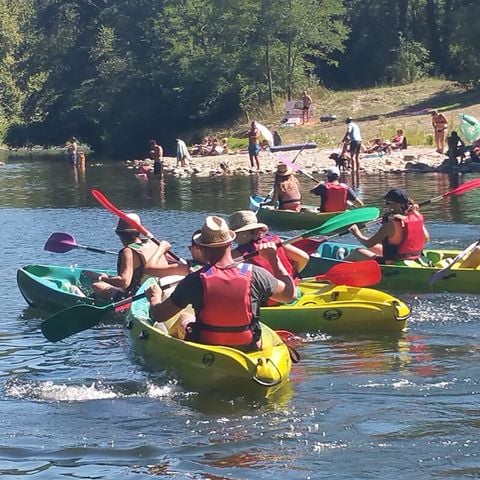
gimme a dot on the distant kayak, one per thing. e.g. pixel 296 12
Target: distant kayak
pixel 293 146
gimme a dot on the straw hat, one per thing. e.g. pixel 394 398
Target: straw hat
pixel 124 227
pixel 244 220
pixel 215 233
pixel 283 170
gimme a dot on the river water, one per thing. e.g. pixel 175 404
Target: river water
pixel 393 407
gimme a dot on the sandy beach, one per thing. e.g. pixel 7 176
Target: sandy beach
pixel 315 162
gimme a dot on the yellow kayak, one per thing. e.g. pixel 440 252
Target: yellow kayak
pixel 338 309
pixel 209 368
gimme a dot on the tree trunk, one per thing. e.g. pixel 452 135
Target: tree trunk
pixel 269 75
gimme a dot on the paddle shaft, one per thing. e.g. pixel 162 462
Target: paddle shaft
pixel 270 193
pixel 110 206
pixel 441 273
pixel 95 250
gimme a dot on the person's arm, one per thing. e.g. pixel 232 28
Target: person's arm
pixel 285 290
pixel 125 274
pixel 160 311
pixel 353 197
pixel 297 256
pixel 386 230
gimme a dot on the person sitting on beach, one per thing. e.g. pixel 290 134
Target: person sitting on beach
pixel 402 236
pixel 334 196
pixel 286 190
pixel 137 260
pixel 223 286
pixel 215 148
pixel 456 149
pixel 250 234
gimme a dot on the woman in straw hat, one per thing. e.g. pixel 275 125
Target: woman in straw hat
pixel 251 234
pixel 137 259
pixel 225 296
pixel 286 190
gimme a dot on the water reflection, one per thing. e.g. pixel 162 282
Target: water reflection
pixel 49 182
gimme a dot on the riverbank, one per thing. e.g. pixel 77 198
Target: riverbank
pixel 315 162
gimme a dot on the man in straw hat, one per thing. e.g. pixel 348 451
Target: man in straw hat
pixel 251 234
pixel 334 195
pixel 137 259
pixel 225 296
pixel 286 189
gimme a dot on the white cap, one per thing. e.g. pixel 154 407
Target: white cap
pixel 332 171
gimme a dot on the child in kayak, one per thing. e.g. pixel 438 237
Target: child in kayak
pixel 138 259
pixel 225 296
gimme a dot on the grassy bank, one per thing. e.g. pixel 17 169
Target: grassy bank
pixel 379 112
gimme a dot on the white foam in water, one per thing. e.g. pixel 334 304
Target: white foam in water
pixel 48 391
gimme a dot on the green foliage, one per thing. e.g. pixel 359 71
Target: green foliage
pixel 410 62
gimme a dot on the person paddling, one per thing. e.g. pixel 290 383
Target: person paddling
pixel 402 236
pixel 226 297
pixel 286 190
pixel 137 259
pixel 334 196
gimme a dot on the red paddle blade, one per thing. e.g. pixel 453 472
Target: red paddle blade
pixel 465 187
pixel 309 245
pixel 354 274
pixel 103 200
pixel 60 243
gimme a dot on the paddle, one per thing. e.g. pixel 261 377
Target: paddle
pixel 82 317
pixel 297 168
pixel 100 197
pixel 60 242
pixel 460 190
pixel 340 221
pixel 356 274
pixel 443 272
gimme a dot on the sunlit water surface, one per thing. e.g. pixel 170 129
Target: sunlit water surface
pixel 403 407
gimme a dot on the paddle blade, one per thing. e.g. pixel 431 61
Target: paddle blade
pixel 309 245
pixel 72 320
pixel 355 274
pixel 60 243
pixel 346 219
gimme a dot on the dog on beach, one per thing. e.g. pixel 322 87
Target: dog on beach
pixel 225 168
pixel 341 162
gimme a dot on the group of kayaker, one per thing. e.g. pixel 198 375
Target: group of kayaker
pixel 335 196
pixel 227 286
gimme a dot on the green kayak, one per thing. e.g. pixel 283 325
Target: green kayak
pixel 309 217
pixel 406 276
pixel 52 288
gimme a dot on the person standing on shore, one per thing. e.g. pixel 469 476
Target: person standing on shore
pixel 354 138
pixel 254 145
pixel 156 154
pixel 72 148
pixel 440 124
pixel 307 103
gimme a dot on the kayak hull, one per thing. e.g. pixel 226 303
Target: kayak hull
pixel 339 309
pixel 208 368
pixel 405 277
pixel 309 217
pixel 52 288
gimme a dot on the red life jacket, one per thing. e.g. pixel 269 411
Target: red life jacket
pixel 252 246
pixel 413 241
pixel 226 317
pixel 336 197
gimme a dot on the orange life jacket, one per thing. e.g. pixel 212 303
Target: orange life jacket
pixel 290 199
pixel 413 240
pixel 336 197
pixel 226 317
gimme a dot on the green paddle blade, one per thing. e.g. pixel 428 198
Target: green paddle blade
pixel 346 219
pixel 73 320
